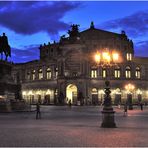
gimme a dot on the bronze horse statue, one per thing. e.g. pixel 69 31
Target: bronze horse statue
pixel 4 47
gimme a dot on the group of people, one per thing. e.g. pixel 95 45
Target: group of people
pixel 38 111
pixel 126 105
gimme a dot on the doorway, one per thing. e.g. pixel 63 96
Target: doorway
pixel 71 93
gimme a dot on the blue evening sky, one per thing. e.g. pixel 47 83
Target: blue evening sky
pixel 31 23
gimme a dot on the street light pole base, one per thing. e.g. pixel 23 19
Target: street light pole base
pixel 108 118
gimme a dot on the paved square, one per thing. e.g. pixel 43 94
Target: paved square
pixel 78 126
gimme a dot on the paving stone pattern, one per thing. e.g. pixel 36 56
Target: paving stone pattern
pixel 75 127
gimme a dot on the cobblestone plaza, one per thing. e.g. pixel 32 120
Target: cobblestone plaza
pixel 75 127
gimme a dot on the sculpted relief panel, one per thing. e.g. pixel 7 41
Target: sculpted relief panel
pixel 73 63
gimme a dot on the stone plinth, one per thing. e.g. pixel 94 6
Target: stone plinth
pixel 108 118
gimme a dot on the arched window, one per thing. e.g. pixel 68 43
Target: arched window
pixel 33 75
pixel 93 73
pixel 128 72
pixel 104 73
pixel 129 56
pixel 40 74
pixel 28 75
pixel 48 73
pixel 94 91
pixel 56 72
pixel 138 73
pixel 117 72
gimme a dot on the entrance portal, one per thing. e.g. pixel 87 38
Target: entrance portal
pixel 71 93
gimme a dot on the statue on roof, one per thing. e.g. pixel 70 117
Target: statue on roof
pixel 92 25
pixel 123 32
pixel 131 44
pixel 4 47
pixel 74 32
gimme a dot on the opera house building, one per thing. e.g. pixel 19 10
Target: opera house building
pixel 69 69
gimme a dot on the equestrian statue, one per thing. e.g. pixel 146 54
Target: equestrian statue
pixel 4 47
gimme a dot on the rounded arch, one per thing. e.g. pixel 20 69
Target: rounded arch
pixel 71 93
pixel 94 91
pixel 117 67
pixel 137 68
pixel 128 68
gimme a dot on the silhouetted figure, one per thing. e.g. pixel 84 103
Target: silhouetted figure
pixel 38 112
pixel 141 106
pixel 4 47
pixel 92 25
pixel 125 109
pixel 1 49
pixel 69 103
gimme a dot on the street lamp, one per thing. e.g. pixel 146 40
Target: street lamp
pixel 107 59
pixel 130 87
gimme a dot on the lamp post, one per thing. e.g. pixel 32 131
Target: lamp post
pixel 107 59
pixel 130 87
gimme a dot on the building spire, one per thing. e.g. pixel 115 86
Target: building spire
pixel 92 25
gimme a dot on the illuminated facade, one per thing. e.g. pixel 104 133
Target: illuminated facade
pixel 67 70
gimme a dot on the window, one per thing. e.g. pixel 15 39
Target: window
pixel 104 73
pixel 33 75
pixel 128 72
pixel 129 56
pixel 138 73
pixel 48 73
pixel 56 72
pixel 28 75
pixel 117 72
pixel 40 74
pixel 93 73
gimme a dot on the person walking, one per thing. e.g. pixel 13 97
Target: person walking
pixel 125 109
pixel 38 112
pixel 69 103
pixel 141 106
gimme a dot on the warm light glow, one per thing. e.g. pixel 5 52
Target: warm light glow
pixel 30 92
pixel 139 91
pixel 97 58
pixel 93 73
pixel 129 87
pixel 115 57
pixel 71 92
pixel 101 92
pixel 39 92
pixel 24 93
pixel 106 56
pixel 2 97
pixel 48 92
pixel 129 56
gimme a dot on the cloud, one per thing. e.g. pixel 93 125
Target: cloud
pixel 29 17
pixel 134 25
pixel 141 48
pixel 30 53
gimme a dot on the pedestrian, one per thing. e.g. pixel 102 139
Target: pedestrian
pixel 141 106
pixel 125 109
pixel 38 112
pixel 119 106
pixel 69 103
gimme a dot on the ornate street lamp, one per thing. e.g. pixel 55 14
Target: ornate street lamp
pixel 107 59
pixel 130 87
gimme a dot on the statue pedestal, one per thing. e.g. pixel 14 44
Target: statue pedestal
pixel 108 118
pixel 8 88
